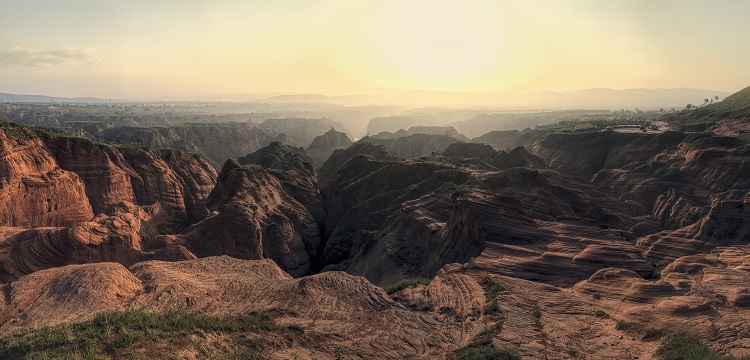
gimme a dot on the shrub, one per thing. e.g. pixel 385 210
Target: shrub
pixel 491 289
pixel 336 267
pixel 624 325
pixel 652 334
pixel 492 308
pixel 471 264
pixel 405 283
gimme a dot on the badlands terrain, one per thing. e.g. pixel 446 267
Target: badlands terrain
pixel 288 239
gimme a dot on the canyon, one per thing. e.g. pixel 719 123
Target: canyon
pixel 418 243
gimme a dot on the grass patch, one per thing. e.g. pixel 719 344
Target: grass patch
pixel 601 314
pixel 114 334
pixel 487 352
pixel 684 346
pixel 405 283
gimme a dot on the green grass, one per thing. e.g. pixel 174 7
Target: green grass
pixel 405 283
pixel 112 333
pixel 15 130
pixel 684 346
pixel 487 352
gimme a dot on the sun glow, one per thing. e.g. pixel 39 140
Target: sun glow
pixel 441 43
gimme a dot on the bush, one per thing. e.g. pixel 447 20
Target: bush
pixel 405 283
pixel 336 267
pixel 471 264
pixel 492 308
pixel 491 289
pixel 652 334
pixel 623 325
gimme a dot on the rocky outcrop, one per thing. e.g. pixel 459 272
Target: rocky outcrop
pixel 496 160
pixel 67 180
pixel 293 168
pixel 340 157
pixel 414 145
pixel 126 234
pixel 366 193
pixel 693 186
pixel 298 132
pixel 256 218
pixel 428 130
pixel 216 142
pixel 585 154
pixel 499 140
pixel 34 189
pixel 530 224
pixel 280 157
pixel 324 145
pixel 727 223
pixel 511 139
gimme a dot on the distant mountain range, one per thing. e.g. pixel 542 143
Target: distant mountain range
pixel 601 98
pixel 20 98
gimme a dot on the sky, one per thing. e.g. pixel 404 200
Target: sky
pixel 142 49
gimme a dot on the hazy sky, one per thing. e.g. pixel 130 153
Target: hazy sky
pixel 141 49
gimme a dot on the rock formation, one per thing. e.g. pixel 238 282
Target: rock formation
pixel 126 234
pixel 414 145
pixel 299 132
pixel 256 218
pixel 215 142
pixel 324 145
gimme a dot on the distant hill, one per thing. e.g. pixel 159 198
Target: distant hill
pixel 298 131
pixel 422 129
pixel 16 98
pixel 600 98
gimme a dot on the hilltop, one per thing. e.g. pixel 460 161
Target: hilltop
pixel 729 116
